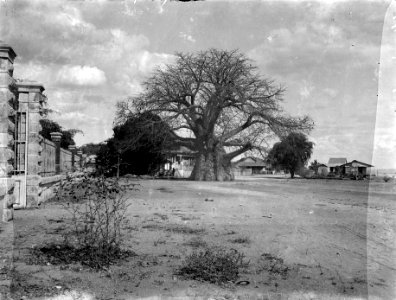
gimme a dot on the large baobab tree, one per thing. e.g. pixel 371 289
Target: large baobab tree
pixel 217 105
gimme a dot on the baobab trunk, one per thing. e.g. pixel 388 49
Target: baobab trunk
pixel 212 166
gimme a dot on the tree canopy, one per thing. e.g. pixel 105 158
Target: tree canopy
pixel 138 146
pixel 48 126
pixel 292 153
pixel 216 104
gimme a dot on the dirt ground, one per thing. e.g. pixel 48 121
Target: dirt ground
pixel 331 239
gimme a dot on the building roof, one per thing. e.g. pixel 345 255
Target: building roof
pixel 335 162
pixel 358 164
pixel 247 162
pixel 182 150
pixel 321 165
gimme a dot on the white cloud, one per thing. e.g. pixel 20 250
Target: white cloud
pixel 81 75
pixel 306 89
pixel 148 61
pixel 187 37
pixel 33 71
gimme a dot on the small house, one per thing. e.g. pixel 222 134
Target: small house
pixel 180 162
pixel 357 168
pixel 251 166
pixel 337 165
pixel 322 169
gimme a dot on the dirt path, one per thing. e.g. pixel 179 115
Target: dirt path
pixel 331 240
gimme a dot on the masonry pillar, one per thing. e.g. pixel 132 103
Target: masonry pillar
pixel 84 160
pixel 56 138
pixel 30 100
pixel 7 128
pixel 79 153
pixel 72 149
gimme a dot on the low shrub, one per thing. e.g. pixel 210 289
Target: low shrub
pixel 97 206
pixel 386 178
pixel 214 265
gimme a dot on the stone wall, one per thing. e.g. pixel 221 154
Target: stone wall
pixel 66 161
pixel 48 152
pixel 30 166
pixel 7 128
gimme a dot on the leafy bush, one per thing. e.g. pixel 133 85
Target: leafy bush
pixel 387 178
pixel 214 265
pixel 97 206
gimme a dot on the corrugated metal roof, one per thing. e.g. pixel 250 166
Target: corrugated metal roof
pixel 334 162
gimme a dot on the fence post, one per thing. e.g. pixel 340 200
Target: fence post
pixel 7 129
pixel 72 149
pixel 56 138
pixel 30 100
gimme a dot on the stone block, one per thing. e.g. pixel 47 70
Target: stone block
pixel 33 180
pixel 4 139
pixel 32 199
pixel 7 214
pixel 6 185
pixel 5 169
pixel 34 125
pixel 9 200
pixel 6 154
pixel 11 127
pixel 6 80
pixel 35 138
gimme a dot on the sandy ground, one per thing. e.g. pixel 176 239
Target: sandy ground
pixel 337 239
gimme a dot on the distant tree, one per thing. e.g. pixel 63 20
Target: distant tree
pixel 291 153
pixel 91 148
pixel 48 126
pixel 107 158
pixel 138 146
pixel 314 166
pixel 221 101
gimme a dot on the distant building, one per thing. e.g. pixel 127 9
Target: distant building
pixel 322 169
pixel 251 165
pixel 180 162
pixel 336 165
pixel 340 166
pixel 357 168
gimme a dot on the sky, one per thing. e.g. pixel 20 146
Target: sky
pixel 91 54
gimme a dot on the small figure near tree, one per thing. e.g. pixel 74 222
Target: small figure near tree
pixel 291 153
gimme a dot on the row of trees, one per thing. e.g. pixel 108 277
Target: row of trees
pixel 48 126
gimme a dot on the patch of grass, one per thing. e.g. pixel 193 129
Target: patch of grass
pixel 176 228
pixel 241 240
pixel 197 242
pixel 272 264
pixel 153 227
pixel 164 190
pixel 161 216
pixel 64 254
pixel 213 265
pixel 159 242
pixel 189 218
pixel 231 232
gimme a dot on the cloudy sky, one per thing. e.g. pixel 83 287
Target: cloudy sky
pixel 91 54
